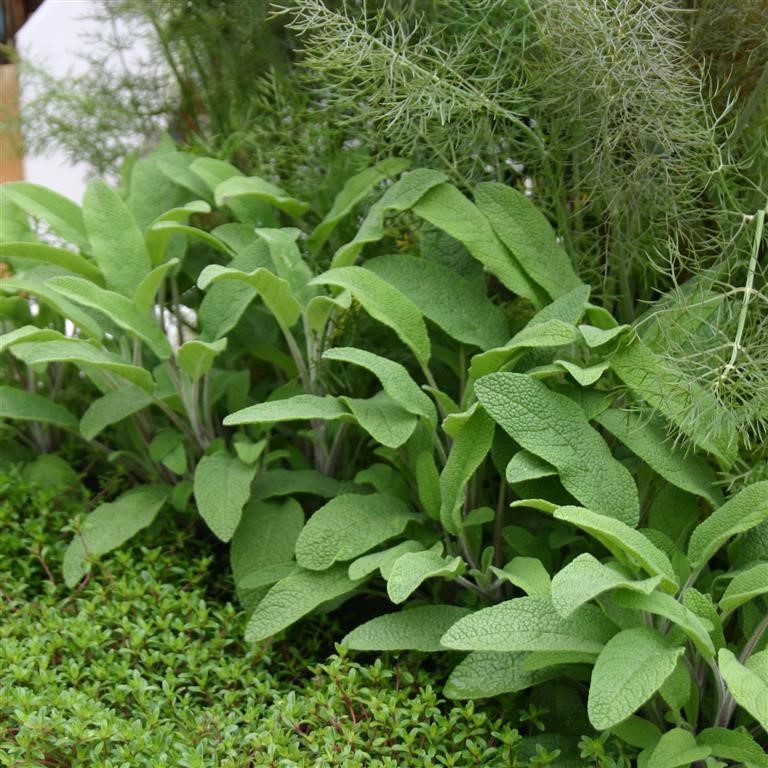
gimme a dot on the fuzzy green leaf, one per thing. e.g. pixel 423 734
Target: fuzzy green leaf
pixel 633 665
pixel 733 745
pixel 222 487
pixel 144 298
pixel 527 573
pixel 411 570
pixel 48 254
pixel 196 357
pixel 745 586
pixel 111 408
pixel 527 466
pixel 530 624
pixel 418 629
pixel 287 482
pixel 294 408
pixel 584 376
pixel 118 245
pixel 348 526
pixel 258 189
pixel 625 543
pixel 554 428
pixel 677 748
pixel 395 379
pixel 747 509
pixel 110 525
pixel 296 596
pixel 649 441
pixel 383 303
pixel 119 309
pixel 586 578
pixel 748 688
pixel 450 301
pixel 482 674
pixel 19 404
pixel 382 560
pixel 382 418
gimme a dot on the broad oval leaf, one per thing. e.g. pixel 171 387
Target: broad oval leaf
pixel 287 482
pixel 527 573
pixel 296 596
pixel 450 301
pixel 649 441
pixel 385 420
pixel 288 261
pixel 384 303
pixel 733 745
pixel 119 309
pixel 747 509
pixel 417 629
pixel 294 408
pixel 527 466
pixel 110 525
pixel 748 688
pixel 382 560
pixel 531 624
pixel 586 578
pixel 48 254
pixel 117 243
pixel 745 586
pixel 633 665
pixel 677 748
pixel 196 357
pixel 554 428
pixel 111 408
pixel 412 569
pixel 395 379
pixel 348 526
pixel 259 189
pixel 144 298
pixel 625 543
pixel 483 674
pixel 22 405
pixel 222 487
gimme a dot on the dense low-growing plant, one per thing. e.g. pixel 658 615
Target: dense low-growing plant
pixel 478 322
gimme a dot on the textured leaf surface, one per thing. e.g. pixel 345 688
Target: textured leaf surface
pixel 286 482
pixel 530 624
pixel 482 674
pixel 296 596
pixel 395 379
pixel 144 298
pixel 585 578
pixel 383 560
pixel 222 487
pixel 528 235
pixel 354 191
pixel 418 629
pixel 747 509
pixel 83 354
pixel 649 441
pixel 196 357
pixel 110 525
pixel 264 538
pixel 259 189
pixel 734 745
pixel 554 428
pixel 747 687
pixel 745 586
pixel 111 408
pixel 527 573
pixel 384 303
pixel 348 526
pixel 63 216
pixel 471 444
pixel 411 570
pixel 295 408
pixel 119 309
pixel 633 665
pixel 19 404
pixel 625 543
pixel 527 466
pixel 677 748
pixel 117 243
pixel 385 420
pixel 584 376
pixel 49 254
pixel 450 301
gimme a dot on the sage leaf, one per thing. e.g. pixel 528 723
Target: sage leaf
pixel 382 418
pixel 299 407
pixel 586 578
pixel 417 629
pixel 259 189
pixel 110 525
pixel 744 587
pixel 287 482
pixel 222 487
pixel 116 240
pixel 296 596
pixel 395 379
pixel 119 309
pixel 624 543
pixel 144 298
pixel 49 254
pixel 412 569
pixel 554 428
pixel 383 303
pixel 527 466
pixel 737 746
pixel 748 688
pixel 349 525
pixel 382 560
pixel 527 573
pixel 450 301
pixel 22 405
pixel 531 624
pixel 742 512
pixel 649 441
pixel 112 408
pixel 482 674
pixel 631 667
pixel 677 748
pixel 196 357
